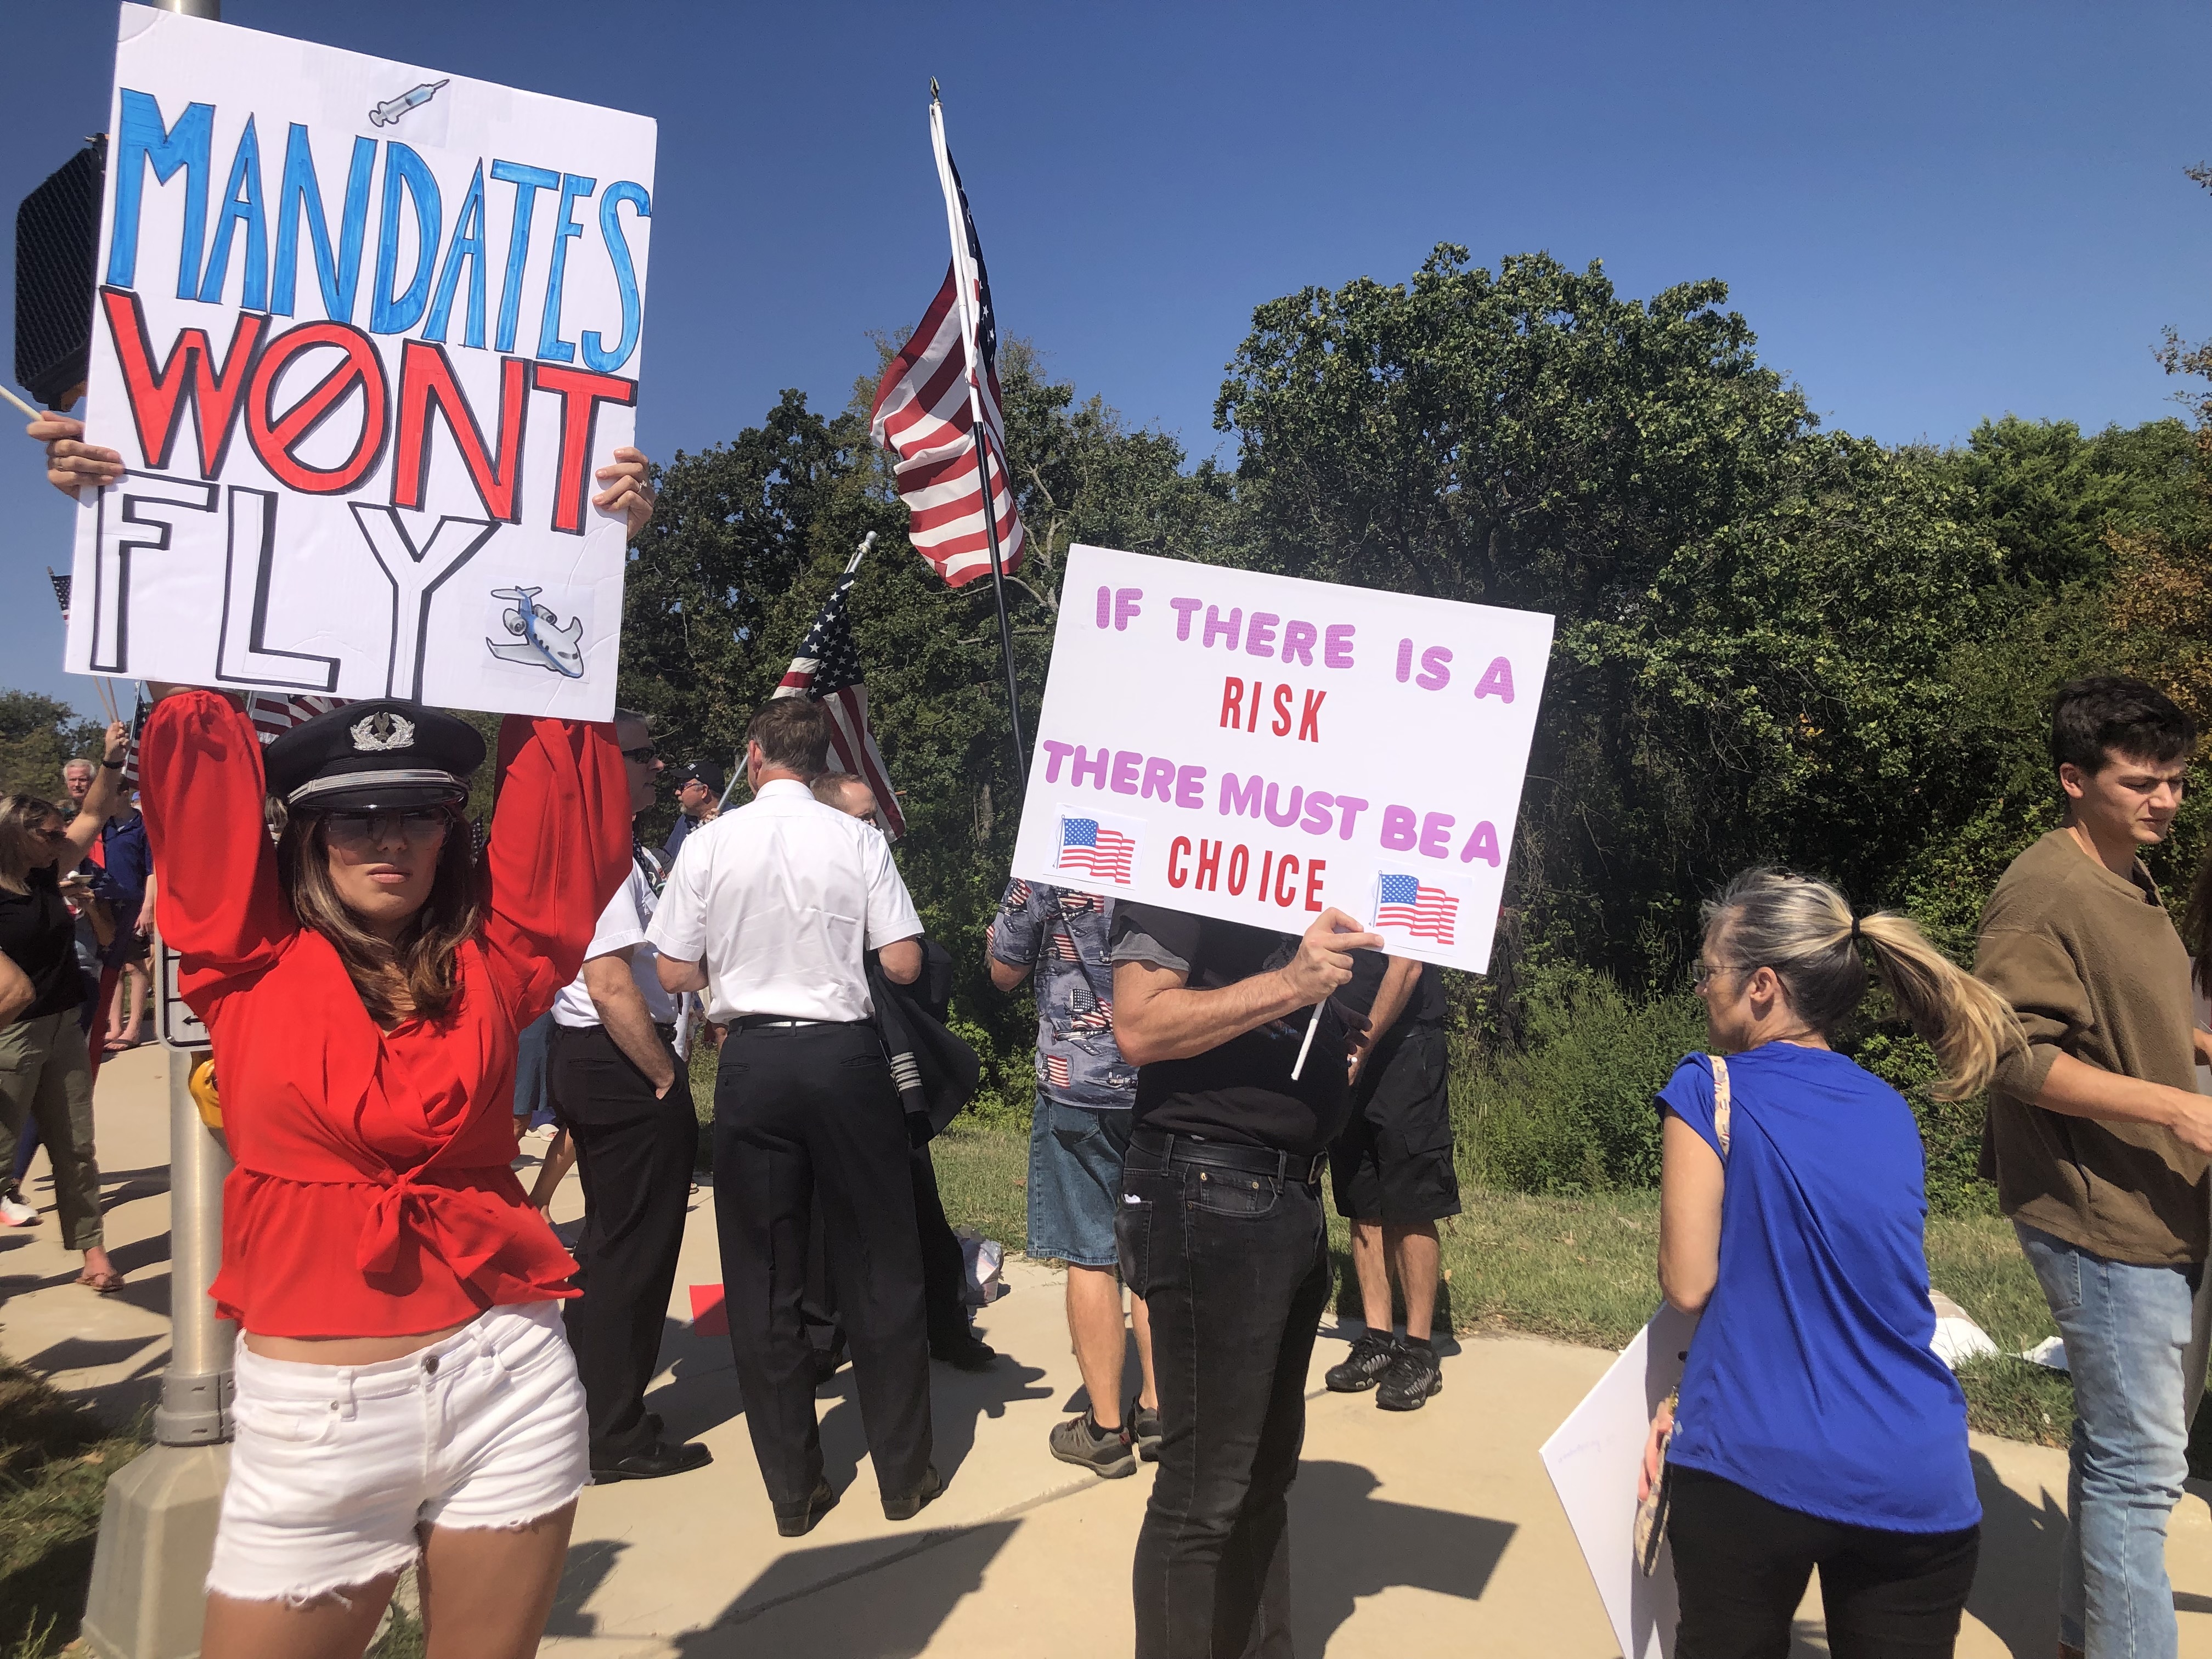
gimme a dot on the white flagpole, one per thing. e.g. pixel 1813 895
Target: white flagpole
pixel 963 290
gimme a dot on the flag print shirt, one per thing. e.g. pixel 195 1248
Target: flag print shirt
pixel 1062 937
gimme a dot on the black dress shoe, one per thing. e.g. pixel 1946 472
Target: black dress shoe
pixel 797 1523
pixel 963 1352
pixel 905 1509
pixel 659 1459
pixel 827 1362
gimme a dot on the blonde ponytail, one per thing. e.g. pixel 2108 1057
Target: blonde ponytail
pixel 1804 931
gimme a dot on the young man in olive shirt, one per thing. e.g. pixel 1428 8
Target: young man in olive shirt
pixel 1221 1231
pixel 2099 1144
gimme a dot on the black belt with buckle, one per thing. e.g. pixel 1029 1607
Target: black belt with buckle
pixel 1304 1168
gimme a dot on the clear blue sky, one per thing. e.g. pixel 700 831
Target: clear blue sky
pixel 1930 215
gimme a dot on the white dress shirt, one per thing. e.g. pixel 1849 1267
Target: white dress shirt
pixel 780 899
pixel 622 923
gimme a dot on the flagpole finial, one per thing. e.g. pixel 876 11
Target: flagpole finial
pixel 933 94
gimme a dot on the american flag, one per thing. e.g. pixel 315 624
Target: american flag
pixel 1018 895
pixel 1424 912
pixel 61 590
pixel 1061 947
pixel 273 713
pixel 827 669
pixel 1056 1071
pixel 922 413
pixel 1079 904
pixel 1098 1017
pixel 1102 854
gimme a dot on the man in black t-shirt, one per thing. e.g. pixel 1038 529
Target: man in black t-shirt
pixel 1221 1231
pixel 1393 1176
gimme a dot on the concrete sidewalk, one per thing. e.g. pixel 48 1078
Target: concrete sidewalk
pixel 1431 1533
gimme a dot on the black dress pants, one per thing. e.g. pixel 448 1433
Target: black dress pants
pixel 1234 1268
pixel 944 1267
pixel 1741 1563
pixel 634 1156
pixel 803 1116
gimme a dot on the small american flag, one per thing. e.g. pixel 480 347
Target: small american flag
pixel 1080 904
pixel 1102 854
pixel 827 669
pixel 1018 895
pixel 1098 1017
pixel 1056 1071
pixel 1424 912
pixel 922 413
pixel 1061 947
pixel 61 590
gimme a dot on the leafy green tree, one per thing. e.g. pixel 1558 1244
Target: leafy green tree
pixel 37 734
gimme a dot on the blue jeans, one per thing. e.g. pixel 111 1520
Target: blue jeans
pixel 1075 1182
pixel 2126 1328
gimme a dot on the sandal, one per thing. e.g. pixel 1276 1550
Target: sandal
pixel 106 1283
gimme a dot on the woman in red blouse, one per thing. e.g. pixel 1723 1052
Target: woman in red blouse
pixel 403 1384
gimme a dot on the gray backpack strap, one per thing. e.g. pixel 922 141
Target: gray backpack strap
pixel 1721 1104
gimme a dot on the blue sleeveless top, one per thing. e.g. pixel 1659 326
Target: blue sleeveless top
pixel 1810 1382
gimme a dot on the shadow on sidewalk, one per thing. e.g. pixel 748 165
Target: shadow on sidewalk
pixel 1345 1543
pixel 842 1620
pixel 2016 1583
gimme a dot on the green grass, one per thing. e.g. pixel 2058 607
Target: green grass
pixel 55 1459
pixel 1582 1269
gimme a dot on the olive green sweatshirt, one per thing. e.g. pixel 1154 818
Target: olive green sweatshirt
pixel 2091 962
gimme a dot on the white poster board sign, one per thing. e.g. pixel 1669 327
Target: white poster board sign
pixel 1258 748
pixel 1592 1459
pixel 363 332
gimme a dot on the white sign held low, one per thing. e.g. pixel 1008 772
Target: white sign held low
pixel 1258 749
pixel 364 333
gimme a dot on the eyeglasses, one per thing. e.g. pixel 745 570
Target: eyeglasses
pixel 421 824
pixel 1701 972
pixel 644 755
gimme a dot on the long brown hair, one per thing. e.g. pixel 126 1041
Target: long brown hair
pixel 1803 930
pixel 422 962
pixel 21 848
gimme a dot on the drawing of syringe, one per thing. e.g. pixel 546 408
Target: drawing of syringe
pixel 392 108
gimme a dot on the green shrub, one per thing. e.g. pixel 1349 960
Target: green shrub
pixel 1569 1110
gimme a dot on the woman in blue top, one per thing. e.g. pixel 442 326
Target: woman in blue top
pixel 1815 1428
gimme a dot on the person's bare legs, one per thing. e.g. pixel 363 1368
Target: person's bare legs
pixel 1094 1323
pixel 1413 1249
pixel 334 1627
pixel 138 988
pixel 487 1591
pixel 1140 1322
pixel 1371 1266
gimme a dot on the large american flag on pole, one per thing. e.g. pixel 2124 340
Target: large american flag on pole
pixel 926 403
pixel 827 669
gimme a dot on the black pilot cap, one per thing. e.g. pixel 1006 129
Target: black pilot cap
pixel 384 752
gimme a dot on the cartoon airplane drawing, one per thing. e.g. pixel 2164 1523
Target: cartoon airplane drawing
pixel 551 645
pixel 392 108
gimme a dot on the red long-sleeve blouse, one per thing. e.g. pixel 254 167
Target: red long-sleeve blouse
pixel 373 1194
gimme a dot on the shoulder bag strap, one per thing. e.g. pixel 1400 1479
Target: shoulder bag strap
pixel 1721 1113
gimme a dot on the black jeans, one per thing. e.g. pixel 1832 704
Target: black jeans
pixel 634 1156
pixel 1234 1267
pixel 805 1115
pixel 1741 1564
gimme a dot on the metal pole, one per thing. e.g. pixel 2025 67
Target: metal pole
pixel 195 1408
pixel 211 9
pixel 998 596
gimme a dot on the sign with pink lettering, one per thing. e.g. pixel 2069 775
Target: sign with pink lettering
pixel 363 332
pixel 1259 749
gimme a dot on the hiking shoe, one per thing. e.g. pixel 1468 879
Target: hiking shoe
pixel 1104 1452
pixel 1144 1430
pixel 1412 1378
pixel 14 1212
pixel 1363 1367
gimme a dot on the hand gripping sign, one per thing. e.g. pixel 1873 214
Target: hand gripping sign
pixel 363 333
pixel 1258 748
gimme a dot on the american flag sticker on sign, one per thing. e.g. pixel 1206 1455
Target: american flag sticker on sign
pixel 1098 848
pixel 1420 909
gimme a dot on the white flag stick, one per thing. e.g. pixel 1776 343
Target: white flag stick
pixel 36 415
pixel 1312 1025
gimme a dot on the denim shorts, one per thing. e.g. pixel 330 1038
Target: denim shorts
pixel 336 1469
pixel 1075 1182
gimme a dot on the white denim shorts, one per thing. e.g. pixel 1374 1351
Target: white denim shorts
pixel 336 1468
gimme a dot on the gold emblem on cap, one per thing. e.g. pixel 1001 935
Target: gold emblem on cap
pixel 383 730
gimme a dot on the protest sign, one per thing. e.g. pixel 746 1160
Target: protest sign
pixel 1260 748
pixel 1593 1458
pixel 363 332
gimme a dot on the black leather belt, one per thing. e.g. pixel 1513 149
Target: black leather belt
pixel 1301 1167
pixel 758 1022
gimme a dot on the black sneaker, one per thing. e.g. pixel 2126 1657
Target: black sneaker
pixel 1144 1430
pixel 1363 1367
pixel 1412 1378
pixel 1105 1452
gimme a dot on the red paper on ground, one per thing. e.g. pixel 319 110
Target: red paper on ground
pixel 709 1316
